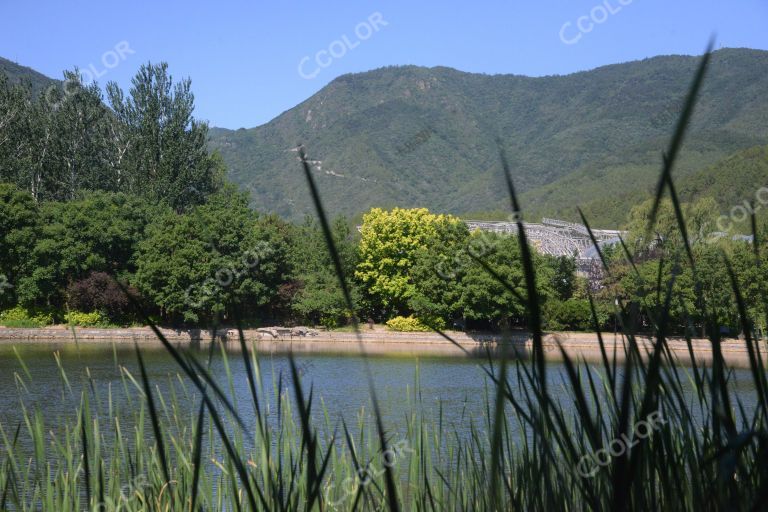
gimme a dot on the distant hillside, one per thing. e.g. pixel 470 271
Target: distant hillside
pixel 414 136
pixel 732 180
pixel 16 74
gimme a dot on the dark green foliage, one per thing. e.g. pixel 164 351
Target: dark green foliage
pixel 317 298
pixel 485 298
pixel 66 140
pixel 19 219
pixel 212 260
pixel 573 315
pixel 99 232
pixel 564 277
pixel 15 137
pixel 59 143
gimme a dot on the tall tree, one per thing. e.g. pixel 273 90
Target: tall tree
pixel 19 222
pixel 79 147
pixel 218 259
pixel 58 143
pixel 163 153
pixel 15 110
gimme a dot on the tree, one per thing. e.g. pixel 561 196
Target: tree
pixel 665 234
pixel 218 260
pixel 574 314
pixel 80 143
pixel 390 244
pixel 439 269
pixel 564 276
pixel 649 286
pixel 99 232
pixel 15 112
pixel 483 297
pixel 318 297
pixel 19 225
pixel 165 156
pixel 56 144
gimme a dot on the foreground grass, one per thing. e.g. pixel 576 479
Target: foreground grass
pixel 136 447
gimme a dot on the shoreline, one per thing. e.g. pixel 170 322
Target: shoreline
pixel 377 343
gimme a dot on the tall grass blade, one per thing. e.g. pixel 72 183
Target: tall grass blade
pixel 154 419
pixel 679 134
pixel 388 473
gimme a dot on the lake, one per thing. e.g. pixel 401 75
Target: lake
pixel 453 388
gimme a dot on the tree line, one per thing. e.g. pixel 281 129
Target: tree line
pixel 145 142
pixel 222 261
pixel 105 205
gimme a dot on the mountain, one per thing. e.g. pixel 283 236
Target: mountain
pixel 17 73
pixel 734 182
pixel 415 136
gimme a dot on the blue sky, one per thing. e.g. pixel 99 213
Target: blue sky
pixel 243 57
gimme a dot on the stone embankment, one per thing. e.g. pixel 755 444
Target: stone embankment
pixel 378 342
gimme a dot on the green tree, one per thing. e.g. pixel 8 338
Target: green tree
pixel 99 232
pixel 574 315
pixel 59 143
pixel 485 299
pixel 81 128
pixel 665 234
pixel 648 289
pixel 390 244
pixel 15 139
pixel 319 298
pixel 162 146
pixel 218 260
pixel 564 276
pixel 439 268
pixel 19 226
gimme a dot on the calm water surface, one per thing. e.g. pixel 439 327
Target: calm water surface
pixel 452 387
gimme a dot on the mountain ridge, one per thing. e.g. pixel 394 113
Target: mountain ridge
pixel 410 135
pixel 18 73
pixel 551 127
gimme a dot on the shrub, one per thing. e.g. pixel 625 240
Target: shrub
pixel 79 319
pixel 21 317
pixel 573 315
pixel 413 324
pixel 99 292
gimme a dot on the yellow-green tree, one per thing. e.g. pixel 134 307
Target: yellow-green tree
pixel 390 245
